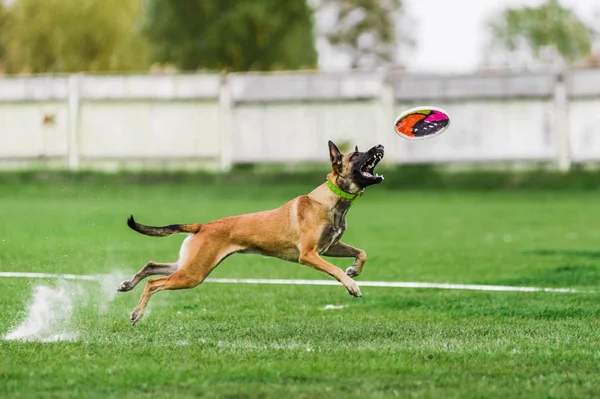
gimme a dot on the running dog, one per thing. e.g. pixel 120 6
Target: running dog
pixel 300 231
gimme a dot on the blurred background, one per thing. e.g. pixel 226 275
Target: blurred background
pixel 216 84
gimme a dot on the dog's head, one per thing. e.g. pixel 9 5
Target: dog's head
pixel 356 170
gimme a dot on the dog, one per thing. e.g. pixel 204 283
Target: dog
pixel 300 231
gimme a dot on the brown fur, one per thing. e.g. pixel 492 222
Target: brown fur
pixel 299 231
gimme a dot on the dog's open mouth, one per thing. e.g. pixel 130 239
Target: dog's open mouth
pixel 367 170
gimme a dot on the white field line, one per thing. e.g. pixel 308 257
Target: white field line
pixel 388 284
pixel 49 275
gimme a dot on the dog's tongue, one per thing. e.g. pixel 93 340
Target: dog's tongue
pixel 371 175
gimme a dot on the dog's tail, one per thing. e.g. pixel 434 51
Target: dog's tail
pixel 163 231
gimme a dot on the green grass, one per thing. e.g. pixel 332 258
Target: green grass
pixel 246 341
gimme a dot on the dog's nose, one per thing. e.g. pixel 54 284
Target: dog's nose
pixel 379 147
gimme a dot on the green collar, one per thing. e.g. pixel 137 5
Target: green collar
pixel 343 194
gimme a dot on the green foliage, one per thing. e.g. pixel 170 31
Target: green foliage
pixel 70 36
pixel 539 28
pixel 235 35
pixel 367 30
pixel 3 21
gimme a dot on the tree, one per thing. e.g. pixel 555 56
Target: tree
pixel 549 34
pixel 3 21
pixel 235 35
pixel 368 31
pixel 71 36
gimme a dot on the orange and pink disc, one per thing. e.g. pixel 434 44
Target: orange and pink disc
pixel 422 123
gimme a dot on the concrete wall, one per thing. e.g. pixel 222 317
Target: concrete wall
pixel 584 116
pixel 214 121
pixel 493 118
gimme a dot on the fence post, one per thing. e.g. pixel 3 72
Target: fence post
pixel 561 122
pixel 73 91
pixel 386 116
pixel 225 125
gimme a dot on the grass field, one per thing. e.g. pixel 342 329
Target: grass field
pixel 268 341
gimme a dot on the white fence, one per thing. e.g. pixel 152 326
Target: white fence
pixel 214 121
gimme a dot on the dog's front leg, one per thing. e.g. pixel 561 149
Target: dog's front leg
pixel 341 250
pixel 311 258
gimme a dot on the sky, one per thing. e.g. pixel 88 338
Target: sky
pixel 450 34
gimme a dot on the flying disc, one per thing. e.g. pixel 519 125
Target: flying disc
pixel 421 123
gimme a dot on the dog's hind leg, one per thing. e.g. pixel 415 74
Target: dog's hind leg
pixel 150 269
pixel 341 250
pixel 181 279
pixel 200 260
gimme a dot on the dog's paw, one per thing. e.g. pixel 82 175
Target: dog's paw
pixel 125 286
pixel 135 317
pixel 352 272
pixel 353 289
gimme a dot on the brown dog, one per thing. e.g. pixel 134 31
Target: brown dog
pixel 300 231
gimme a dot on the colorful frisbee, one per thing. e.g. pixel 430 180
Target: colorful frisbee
pixel 421 123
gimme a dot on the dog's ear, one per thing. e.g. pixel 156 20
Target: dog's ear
pixel 356 149
pixel 335 155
